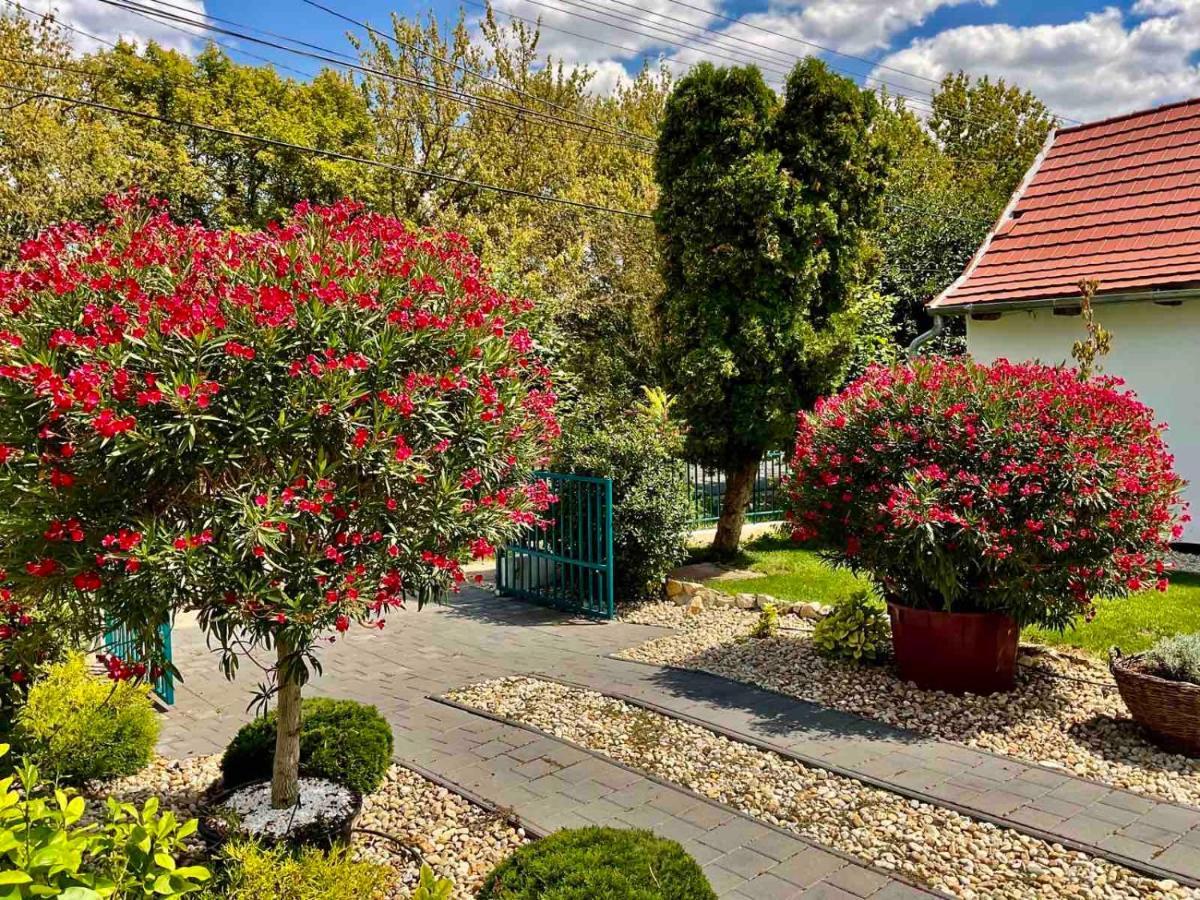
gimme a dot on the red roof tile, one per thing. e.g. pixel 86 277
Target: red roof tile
pixel 1117 201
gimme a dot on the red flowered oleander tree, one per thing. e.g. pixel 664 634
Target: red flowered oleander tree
pixel 1005 488
pixel 290 432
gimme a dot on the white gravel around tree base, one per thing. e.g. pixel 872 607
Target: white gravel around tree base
pixel 929 844
pixel 459 840
pixel 1065 712
pixel 320 801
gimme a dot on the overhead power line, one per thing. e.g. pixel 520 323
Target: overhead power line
pixel 317 151
pixel 45 15
pixel 324 55
pixel 743 57
pixel 466 69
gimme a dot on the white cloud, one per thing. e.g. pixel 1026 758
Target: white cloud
pixel 607 30
pixel 861 26
pixel 1104 64
pixel 111 23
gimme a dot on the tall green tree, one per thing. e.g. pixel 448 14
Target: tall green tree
pixel 764 217
pixel 954 173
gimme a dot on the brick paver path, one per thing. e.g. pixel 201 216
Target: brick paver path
pixel 546 783
pixel 549 784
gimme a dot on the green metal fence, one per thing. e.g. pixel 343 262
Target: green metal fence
pixel 569 564
pixel 121 642
pixel 708 490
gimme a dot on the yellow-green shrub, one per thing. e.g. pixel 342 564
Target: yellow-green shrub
pixel 79 726
pixel 253 872
pixel 857 630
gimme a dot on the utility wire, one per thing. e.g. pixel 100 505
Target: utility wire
pixel 662 39
pixel 463 68
pixel 330 154
pixel 585 139
pixel 345 157
pixel 457 94
pixel 46 15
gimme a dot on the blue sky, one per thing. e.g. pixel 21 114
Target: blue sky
pixel 1086 59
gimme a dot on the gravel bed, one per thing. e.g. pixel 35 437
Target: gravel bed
pixel 929 844
pixel 429 823
pixel 1185 562
pixel 459 840
pixel 1064 713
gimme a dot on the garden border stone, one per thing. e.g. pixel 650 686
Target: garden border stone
pixel 1045 803
pixel 731 835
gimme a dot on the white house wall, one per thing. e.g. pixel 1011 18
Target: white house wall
pixel 1156 349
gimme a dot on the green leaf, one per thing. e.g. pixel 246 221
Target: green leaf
pixel 15 877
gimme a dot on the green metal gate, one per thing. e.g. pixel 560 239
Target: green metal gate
pixel 766 500
pixel 122 643
pixel 569 564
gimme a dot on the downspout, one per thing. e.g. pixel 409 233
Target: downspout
pixel 939 325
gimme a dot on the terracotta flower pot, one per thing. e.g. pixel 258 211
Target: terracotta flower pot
pixel 959 653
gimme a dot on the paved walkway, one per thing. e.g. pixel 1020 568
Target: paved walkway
pixel 549 784
pixel 546 783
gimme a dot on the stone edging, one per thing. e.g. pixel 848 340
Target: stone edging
pixel 532 729
pixel 1119 859
pixel 508 815
pixel 983 751
pixel 697 597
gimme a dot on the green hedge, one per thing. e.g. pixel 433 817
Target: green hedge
pixel 79 727
pixel 344 741
pixel 591 863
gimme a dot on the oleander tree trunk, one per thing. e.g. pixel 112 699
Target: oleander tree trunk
pixel 739 484
pixel 285 777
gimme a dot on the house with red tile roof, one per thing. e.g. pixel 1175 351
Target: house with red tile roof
pixel 1117 202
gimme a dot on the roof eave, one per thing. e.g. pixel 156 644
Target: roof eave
pixel 999 306
pixel 1005 215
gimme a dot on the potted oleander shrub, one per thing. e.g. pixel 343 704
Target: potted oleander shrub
pixel 983 498
pixel 1161 687
pixel 289 432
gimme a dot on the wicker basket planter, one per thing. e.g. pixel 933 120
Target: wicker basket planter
pixel 1168 710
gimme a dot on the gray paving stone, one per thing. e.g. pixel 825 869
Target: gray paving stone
pixel 732 834
pixel 746 862
pixel 769 887
pixel 1180 858
pixel 809 867
pixel 858 881
pixel 826 891
pixel 1086 829
pixel 722 880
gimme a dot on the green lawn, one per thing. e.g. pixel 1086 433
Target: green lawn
pixel 798 575
pixel 1133 624
pixel 789 573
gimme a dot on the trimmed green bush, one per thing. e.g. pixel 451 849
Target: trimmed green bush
pixel 252 872
pixel 589 863
pixel 80 727
pixel 344 741
pixel 1177 658
pixel 857 630
pixel 638 447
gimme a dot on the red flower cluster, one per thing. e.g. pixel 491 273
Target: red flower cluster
pixel 1016 488
pixel 290 431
